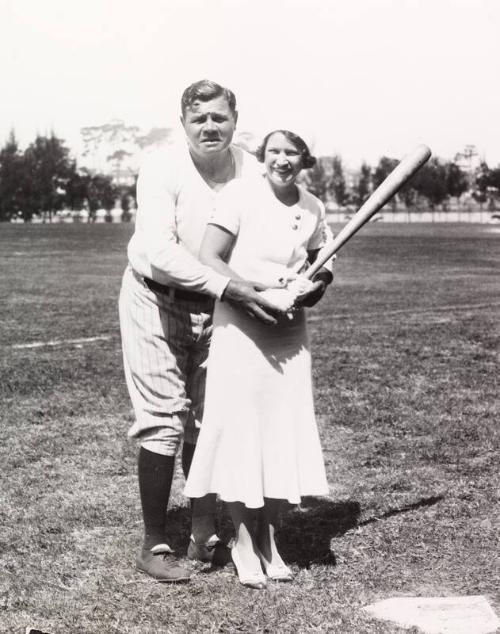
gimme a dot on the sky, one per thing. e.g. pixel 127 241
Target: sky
pixel 359 78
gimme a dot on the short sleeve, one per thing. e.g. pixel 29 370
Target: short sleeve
pixel 227 208
pixel 322 234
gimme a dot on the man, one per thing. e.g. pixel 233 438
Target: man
pixel 166 304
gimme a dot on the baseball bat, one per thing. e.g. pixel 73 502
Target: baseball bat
pixel 408 166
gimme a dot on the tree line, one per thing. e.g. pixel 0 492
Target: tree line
pixel 44 179
pixel 433 185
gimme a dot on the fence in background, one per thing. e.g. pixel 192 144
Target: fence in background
pixel 340 216
pixel 387 215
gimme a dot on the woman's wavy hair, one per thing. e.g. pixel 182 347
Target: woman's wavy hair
pixel 307 159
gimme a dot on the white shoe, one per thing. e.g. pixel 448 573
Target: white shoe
pixel 276 572
pixel 250 579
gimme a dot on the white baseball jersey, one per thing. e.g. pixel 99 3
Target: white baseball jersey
pixel 174 203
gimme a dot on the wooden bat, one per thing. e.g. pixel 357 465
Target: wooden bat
pixel 408 166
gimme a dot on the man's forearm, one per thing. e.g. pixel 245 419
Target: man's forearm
pixel 173 264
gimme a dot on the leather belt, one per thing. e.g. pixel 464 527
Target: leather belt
pixel 176 293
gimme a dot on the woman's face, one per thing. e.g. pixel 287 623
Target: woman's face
pixel 282 159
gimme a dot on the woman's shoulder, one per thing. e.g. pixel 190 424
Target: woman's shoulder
pixel 310 201
pixel 246 163
pixel 243 186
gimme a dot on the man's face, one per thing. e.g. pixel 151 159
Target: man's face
pixel 209 126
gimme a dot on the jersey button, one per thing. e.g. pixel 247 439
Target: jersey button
pixel 297 217
pixel 295 226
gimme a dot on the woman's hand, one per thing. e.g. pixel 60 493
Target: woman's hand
pixel 320 281
pixel 312 297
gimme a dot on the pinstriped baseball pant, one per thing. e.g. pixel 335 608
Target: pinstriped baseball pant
pixel 165 343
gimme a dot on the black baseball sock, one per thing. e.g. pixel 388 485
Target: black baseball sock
pixel 203 510
pixel 155 479
pixel 187 457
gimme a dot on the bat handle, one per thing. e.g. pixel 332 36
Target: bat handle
pixel 316 266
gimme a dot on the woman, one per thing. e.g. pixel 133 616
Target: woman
pixel 259 443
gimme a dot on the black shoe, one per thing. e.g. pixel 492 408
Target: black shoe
pixel 160 563
pixel 214 551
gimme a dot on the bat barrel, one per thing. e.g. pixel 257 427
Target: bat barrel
pixel 408 166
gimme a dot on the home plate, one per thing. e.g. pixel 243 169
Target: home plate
pixel 438 615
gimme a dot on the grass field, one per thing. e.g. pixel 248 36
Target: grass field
pixel 406 350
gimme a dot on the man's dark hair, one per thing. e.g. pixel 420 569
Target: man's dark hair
pixel 307 159
pixel 205 90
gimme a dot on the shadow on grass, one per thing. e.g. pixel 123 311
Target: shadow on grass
pixel 179 526
pixel 305 533
pixel 307 530
pixel 430 501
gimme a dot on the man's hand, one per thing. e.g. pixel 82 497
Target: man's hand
pixel 320 281
pixel 246 296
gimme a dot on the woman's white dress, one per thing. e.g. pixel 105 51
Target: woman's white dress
pixel 259 436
